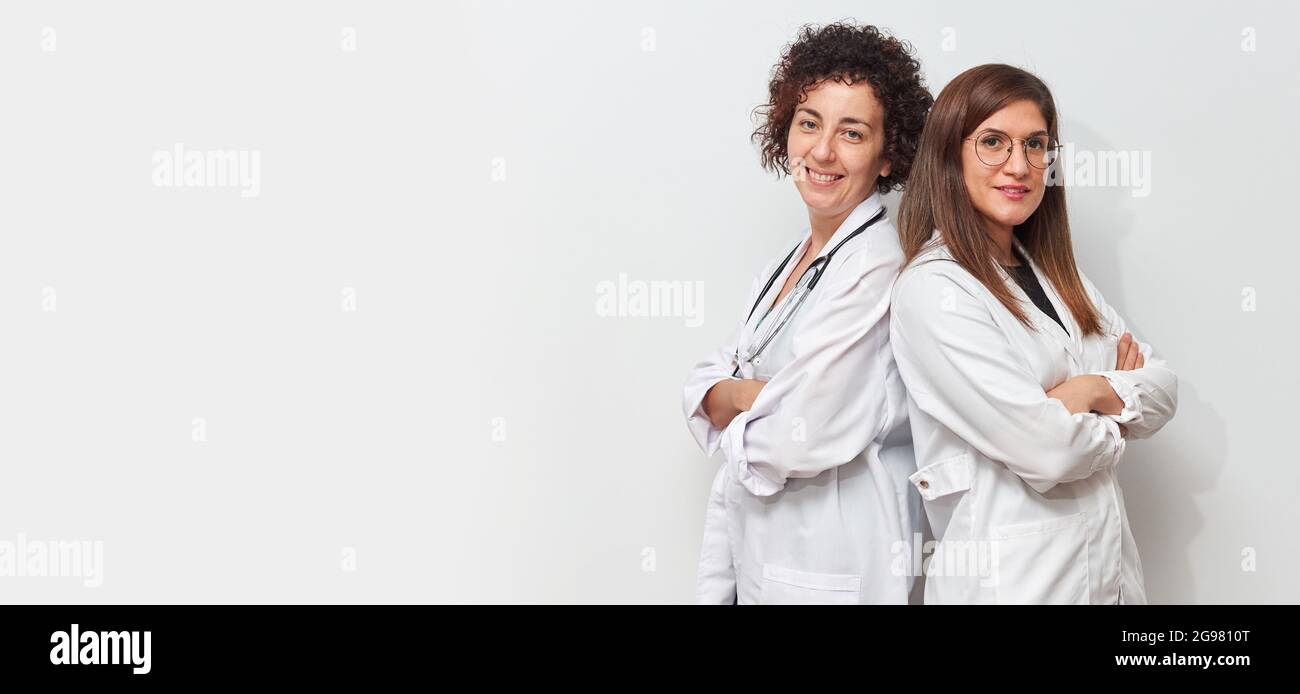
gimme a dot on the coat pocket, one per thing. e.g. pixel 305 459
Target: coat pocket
pixel 941 485
pixel 1041 563
pixel 782 586
pixel 947 476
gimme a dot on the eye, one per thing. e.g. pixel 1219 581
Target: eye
pixel 991 141
pixel 1037 143
pixel 853 135
pixel 807 124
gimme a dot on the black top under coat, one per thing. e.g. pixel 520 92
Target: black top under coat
pixel 1028 281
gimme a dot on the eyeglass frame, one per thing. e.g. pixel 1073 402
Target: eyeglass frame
pixel 1024 145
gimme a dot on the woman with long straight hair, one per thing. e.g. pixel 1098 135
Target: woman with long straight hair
pixel 1023 383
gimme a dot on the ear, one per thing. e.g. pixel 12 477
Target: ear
pixel 884 170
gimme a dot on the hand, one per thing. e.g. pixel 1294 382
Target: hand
pixel 730 397
pixel 1128 355
pixel 1087 393
pixel 1092 393
pixel 744 392
pixel 1081 393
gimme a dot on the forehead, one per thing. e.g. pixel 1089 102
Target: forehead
pixel 835 99
pixel 1016 119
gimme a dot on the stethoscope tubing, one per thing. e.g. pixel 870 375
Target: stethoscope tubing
pixel 817 267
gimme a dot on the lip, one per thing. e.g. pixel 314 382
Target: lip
pixel 809 171
pixel 1013 192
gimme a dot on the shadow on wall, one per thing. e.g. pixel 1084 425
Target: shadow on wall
pixel 1161 476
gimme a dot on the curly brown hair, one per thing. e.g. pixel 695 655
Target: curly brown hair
pixel 847 53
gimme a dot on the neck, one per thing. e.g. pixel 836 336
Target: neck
pixel 1001 236
pixel 825 226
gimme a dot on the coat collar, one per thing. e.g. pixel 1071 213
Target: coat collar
pixel 859 216
pixel 1042 321
pixel 1072 342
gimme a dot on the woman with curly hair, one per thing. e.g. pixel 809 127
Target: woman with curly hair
pixel 812 504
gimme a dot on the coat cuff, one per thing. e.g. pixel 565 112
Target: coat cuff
pixel 708 436
pixel 1114 445
pixel 1128 393
pixel 733 445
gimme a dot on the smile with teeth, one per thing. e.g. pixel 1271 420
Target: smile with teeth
pixel 821 177
pixel 1013 191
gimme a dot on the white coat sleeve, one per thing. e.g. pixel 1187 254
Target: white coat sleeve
pixel 960 368
pixel 717 366
pixel 827 404
pixel 1150 394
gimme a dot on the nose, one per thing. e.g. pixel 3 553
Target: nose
pixel 1017 165
pixel 822 150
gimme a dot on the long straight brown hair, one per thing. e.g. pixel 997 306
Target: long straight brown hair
pixel 937 197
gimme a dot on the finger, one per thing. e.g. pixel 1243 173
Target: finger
pixel 1142 361
pixel 1130 357
pixel 1121 351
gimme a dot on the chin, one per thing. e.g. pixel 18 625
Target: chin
pixel 1012 217
pixel 823 201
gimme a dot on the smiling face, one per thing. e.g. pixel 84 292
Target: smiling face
pixel 836 147
pixel 1005 195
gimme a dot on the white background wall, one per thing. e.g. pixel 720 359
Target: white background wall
pixel 472 171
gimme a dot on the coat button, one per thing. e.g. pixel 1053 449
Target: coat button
pixel 923 484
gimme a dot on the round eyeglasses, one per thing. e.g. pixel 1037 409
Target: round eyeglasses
pixel 993 147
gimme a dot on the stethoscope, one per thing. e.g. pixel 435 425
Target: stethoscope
pixel 791 303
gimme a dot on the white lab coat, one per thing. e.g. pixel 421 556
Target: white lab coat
pixel 1021 494
pixel 812 503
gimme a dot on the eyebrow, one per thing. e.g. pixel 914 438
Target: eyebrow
pixel 845 119
pixel 1033 134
